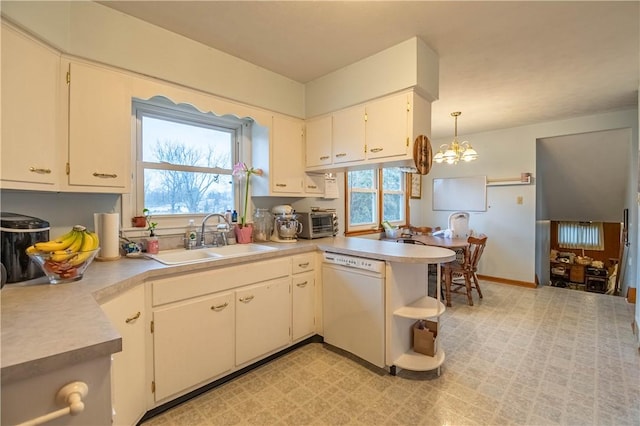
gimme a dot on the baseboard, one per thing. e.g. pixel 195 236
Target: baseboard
pixel 507 281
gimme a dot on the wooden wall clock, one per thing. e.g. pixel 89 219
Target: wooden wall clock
pixel 422 154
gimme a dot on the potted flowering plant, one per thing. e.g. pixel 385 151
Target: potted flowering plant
pixel 151 226
pixel 242 171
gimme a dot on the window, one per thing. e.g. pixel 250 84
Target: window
pixel 581 235
pixel 369 203
pixel 184 159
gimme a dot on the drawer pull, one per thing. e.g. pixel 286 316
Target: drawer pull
pixel 281 185
pixel 303 284
pixel 105 175
pixel 39 170
pixel 219 307
pixel 376 149
pixel 133 318
pixel 324 157
pixel 312 186
pixel 303 265
pixel 342 154
pixel 246 299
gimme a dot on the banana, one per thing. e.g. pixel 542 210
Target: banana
pixel 76 245
pixel 62 255
pixel 60 243
pixel 89 243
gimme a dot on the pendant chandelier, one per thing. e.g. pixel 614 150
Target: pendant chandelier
pixel 456 151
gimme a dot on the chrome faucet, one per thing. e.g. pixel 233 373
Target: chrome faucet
pixel 222 228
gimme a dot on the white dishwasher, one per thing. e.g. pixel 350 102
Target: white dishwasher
pixel 353 305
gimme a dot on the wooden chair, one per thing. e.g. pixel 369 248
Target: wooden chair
pixel 460 275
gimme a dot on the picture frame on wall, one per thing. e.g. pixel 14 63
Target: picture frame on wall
pixel 415 186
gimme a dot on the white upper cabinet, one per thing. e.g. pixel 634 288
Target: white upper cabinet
pixel 376 133
pixel 318 141
pixel 30 121
pixel 387 127
pixel 280 154
pixel 99 128
pixel 349 135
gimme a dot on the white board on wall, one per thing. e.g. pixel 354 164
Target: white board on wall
pixel 461 193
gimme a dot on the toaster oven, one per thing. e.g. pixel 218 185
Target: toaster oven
pixel 317 224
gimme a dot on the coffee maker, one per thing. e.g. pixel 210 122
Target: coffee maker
pixel 17 232
pixel 285 224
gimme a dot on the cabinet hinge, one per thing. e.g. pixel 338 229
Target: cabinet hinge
pixel 68 77
pixel 407 140
pixel 408 106
pixel 153 386
pixel 365 148
pixel 67 169
pixel 366 117
pixel 151 326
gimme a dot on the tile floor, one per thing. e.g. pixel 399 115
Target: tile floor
pixel 521 356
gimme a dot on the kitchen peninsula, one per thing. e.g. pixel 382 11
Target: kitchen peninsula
pixel 48 330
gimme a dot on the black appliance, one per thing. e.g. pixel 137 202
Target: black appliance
pixel 17 232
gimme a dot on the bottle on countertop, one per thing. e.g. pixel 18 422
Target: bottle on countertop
pixel 227 215
pixel 191 235
pixel 234 217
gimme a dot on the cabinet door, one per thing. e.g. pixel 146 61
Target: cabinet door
pixel 192 343
pixel 263 318
pixel 99 128
pixel 30 105
pixel 314 184
pixel 128 384
pixel 387 130
pixel 349 135
pixel 303 305
pixel 318 141
pixel 287 169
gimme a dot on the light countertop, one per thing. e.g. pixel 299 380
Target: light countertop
pixel 46 327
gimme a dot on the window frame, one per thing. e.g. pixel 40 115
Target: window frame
pixel 380 192
pixel 163 109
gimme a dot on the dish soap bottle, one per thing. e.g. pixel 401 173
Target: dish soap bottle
pixel 191 236
pixel 234 217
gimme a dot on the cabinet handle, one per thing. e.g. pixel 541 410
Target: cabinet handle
pixel 39 170
pixel 304 284
pixel 324 157
pixel 342 154
pixel 219 307
pixel 133 318
pixel 246 299
pixel 376 149
pixel 303 265
pixel 281 184
pixel 312 186
pixel 105 175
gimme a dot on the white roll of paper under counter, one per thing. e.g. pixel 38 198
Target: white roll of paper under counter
pixel 107 226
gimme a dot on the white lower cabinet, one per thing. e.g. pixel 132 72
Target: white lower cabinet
pixel 193 342
pixel 263 317
pixel 303 305
pixel 128 384
pixel 303 296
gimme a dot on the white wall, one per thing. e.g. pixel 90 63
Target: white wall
pixel 99 33
pixel 511 248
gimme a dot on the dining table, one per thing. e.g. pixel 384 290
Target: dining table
pixel 456 244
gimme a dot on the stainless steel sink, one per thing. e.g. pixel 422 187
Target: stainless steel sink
pixel 181 256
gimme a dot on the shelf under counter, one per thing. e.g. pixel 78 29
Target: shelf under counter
pixel 425 307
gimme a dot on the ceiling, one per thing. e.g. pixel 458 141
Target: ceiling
pixel 503 64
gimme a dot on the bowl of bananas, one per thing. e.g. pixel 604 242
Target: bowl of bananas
pixel 66 258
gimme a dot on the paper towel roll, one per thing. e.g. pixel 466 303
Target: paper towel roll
pixel 107 226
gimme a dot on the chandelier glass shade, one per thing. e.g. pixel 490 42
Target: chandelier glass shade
pixel 456 150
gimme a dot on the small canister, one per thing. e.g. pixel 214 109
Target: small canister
pixel 17 232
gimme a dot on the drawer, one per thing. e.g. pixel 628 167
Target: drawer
pixel 180 287
pixel 304 262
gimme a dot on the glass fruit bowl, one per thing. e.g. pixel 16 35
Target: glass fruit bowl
pixel 64 267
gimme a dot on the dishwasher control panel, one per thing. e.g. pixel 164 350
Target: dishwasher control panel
pixel 355 262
